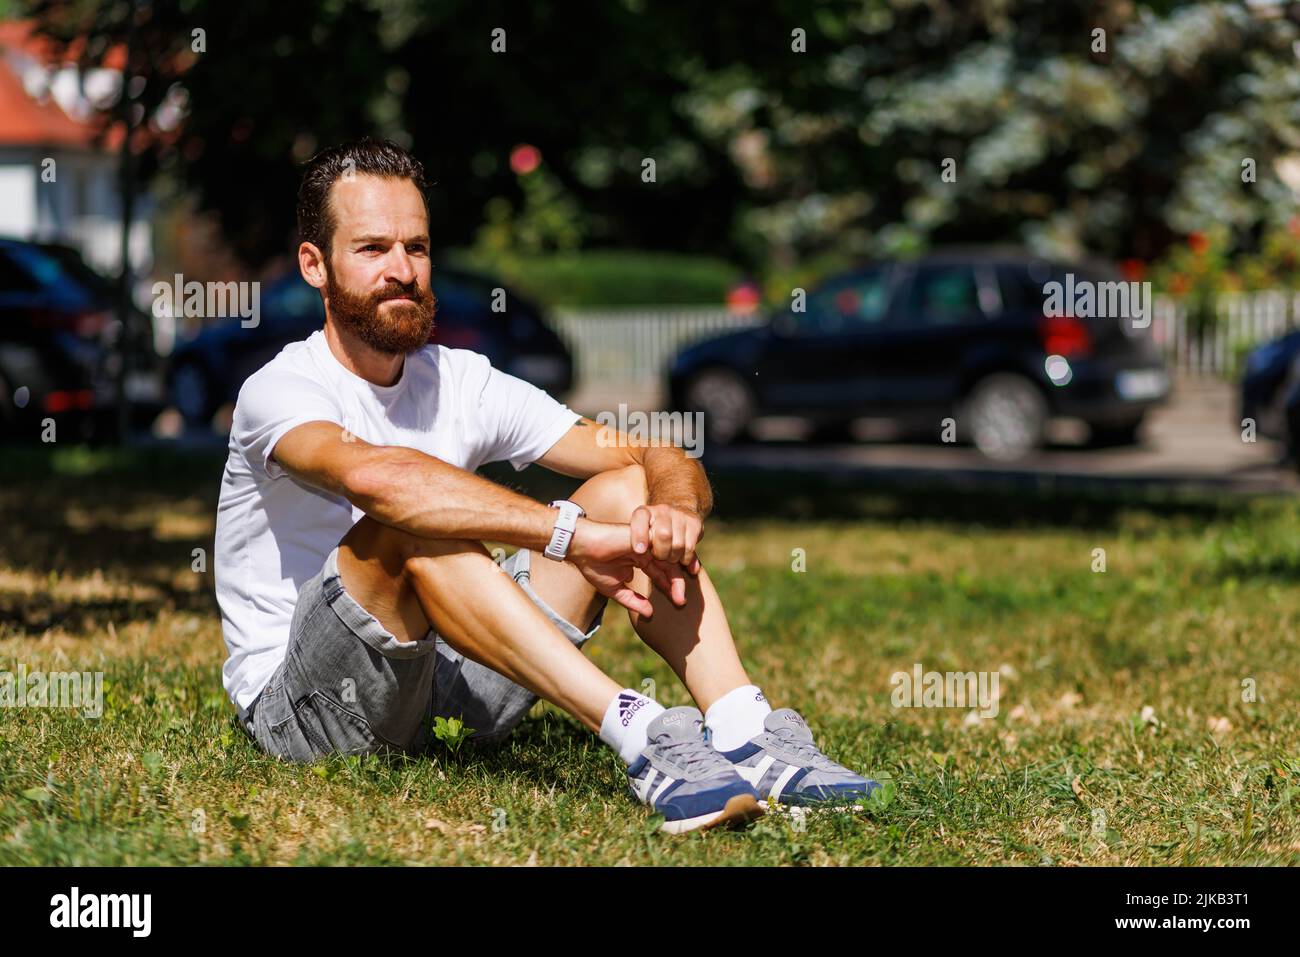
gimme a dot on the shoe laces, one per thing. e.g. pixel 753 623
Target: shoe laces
pixel 801 747
pixel 690 753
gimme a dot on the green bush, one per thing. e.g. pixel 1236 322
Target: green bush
pixel 609 277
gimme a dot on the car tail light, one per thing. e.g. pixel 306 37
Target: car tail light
pixel 1064 336
pixel 91 325
pixel 65 400
pixel 85 325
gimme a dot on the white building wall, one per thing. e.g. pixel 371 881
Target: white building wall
pixel 80 208
pixel 17 199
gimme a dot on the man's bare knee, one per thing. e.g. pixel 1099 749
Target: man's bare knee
pixel 422 557
pixel 400 553
pixel 612 496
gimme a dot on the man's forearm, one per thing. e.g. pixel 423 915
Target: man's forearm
pixel 425 496
pixel 674 478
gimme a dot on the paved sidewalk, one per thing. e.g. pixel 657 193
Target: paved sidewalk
pixel 1194 440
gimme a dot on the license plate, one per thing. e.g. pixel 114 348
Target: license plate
pixel 1142 384
pixel 142 387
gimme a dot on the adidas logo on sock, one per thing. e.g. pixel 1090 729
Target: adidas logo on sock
pixel 629 705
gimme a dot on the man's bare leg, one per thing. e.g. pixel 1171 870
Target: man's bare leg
pixel 695 640
pixel 411 584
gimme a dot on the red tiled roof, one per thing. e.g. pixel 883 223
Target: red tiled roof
pixel 21 35
pixel 26 121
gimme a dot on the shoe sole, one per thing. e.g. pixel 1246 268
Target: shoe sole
pixel 738 810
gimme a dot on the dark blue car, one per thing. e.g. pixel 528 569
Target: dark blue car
pixel 60 345
pixel 208 369
pixel 954 334
pixel 1270 391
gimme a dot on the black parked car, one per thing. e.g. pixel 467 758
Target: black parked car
pixel 208 369
pixel 58 341
pixel 1270 391
pixel 953 334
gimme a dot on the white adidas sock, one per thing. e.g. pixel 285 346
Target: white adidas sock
pixel 736 717
pixel 625 722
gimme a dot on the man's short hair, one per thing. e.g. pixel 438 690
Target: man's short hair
pixel 366 156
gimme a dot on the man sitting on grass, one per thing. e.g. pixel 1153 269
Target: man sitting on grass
pixel 357 599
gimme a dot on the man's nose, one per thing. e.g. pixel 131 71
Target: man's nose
pixel 399 267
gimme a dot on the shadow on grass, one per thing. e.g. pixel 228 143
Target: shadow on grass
pixel 161 475
pixel 794 496
pixel 64 512
pixel 541 749
pixel 546 751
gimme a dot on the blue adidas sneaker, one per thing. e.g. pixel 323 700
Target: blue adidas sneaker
pixel 784 765
pixel 681 776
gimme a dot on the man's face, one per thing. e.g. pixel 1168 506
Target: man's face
pixel 377 277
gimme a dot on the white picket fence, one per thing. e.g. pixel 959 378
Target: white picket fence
pixel 632 346
pixel 1244 319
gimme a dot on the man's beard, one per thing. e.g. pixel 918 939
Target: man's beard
pixel 396 330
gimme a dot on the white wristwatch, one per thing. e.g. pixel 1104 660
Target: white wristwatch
pixel 562 534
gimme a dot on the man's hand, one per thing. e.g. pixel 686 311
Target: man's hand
pixel 604 553
pixel 668 533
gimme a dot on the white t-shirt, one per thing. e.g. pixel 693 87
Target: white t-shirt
pixel 274 532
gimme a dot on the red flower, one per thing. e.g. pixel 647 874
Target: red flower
pixel 1198 242
pixel 524 159
pixel 744 298
pixel 1133 269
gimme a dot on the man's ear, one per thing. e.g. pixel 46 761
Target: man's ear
pixel 311 263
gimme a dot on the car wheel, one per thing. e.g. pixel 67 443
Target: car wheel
pixel 1005 416
pixel 726 402
pixel 192 393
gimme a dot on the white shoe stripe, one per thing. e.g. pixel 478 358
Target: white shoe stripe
pixel 781 782
pixel 755 774
pixel 660 790
pixel 645 783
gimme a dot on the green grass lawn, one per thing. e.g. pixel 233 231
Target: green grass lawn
pixel 1121 737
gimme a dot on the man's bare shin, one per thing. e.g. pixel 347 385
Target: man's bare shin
pixel 695 640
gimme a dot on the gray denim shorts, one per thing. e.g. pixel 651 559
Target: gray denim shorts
pixel 348 686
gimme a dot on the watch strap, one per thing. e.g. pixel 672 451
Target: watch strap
pixel 565 525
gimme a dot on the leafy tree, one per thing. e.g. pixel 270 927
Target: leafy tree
pixel 781 131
